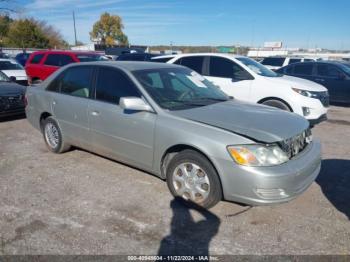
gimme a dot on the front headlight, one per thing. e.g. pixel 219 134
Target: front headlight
pixel 258 155
pixel 305 92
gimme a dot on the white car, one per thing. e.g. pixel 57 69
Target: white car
pixel 245 79
pixel 276 62
pixel 14 70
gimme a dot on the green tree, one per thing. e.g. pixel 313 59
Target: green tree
pixel 52 34
pixel 5 22
pixel 109 29
pixel 26 33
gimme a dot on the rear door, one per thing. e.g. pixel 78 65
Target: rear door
pixel 53 62
pixel 230 77
pixel 335 80
pixel 33 66
pixel 70 97
pixel 304 70
pixel 126 136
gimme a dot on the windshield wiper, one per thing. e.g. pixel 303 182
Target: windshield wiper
pixel 211 99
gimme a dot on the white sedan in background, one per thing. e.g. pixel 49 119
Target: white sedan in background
pixel 245 79
pixel 14 71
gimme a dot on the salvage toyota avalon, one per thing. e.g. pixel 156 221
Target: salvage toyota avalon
pixel 170 121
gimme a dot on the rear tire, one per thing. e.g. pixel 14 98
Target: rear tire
pixel 277 104
pixel 53 136
pixel 190 175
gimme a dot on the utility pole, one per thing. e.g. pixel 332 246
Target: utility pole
pixel 75 30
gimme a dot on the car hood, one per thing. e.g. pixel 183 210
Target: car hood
pixel 257 122
pixel 296 82
pixel 16 73
pixel 7 88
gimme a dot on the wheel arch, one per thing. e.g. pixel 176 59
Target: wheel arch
pixel 175 149
pixel 275 98
pixel 43 116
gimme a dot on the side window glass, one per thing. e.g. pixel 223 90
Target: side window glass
pixel 52 60
pixel 55 85
pixel 303 69
pixel 112 84
pixel 193 62
pixel 222 67
pixel 37 58
pixel 328 71
pixel 65 60
pixel 76 81
pixel 294 60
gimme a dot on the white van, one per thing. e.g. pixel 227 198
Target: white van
pixel 245 79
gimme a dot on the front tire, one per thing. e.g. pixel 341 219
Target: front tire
pixel 53 136
pixel 191 176
pixel 278 104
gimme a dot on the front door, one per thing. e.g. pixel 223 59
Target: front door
pixel 126 136
pixel 336 81
pixel 229 77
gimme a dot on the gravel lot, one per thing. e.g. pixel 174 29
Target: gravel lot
pixel 80 203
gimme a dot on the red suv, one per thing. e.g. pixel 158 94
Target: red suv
pixel 42 64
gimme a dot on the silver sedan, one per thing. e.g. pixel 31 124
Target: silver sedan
pixel 172 122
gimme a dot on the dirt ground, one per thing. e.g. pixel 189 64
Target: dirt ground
pixel 81 203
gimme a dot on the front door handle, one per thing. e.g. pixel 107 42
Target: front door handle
pixel 95 113
pixel 319 79
pixel 54 102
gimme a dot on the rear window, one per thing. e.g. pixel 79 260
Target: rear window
pixel 273 61
pixel 37 58
pixel 303 69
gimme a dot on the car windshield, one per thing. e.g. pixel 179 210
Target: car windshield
pixel 3 77
pixel 91 57
pixel 10 65
pixel 257 67
pixel 179 88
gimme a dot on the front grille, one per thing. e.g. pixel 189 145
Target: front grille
pixel 11 102
pixel 324 98
pixel 293 146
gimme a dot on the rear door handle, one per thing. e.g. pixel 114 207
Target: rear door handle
pixel 95 113
pixel 54 102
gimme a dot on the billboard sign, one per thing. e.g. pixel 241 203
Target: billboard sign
pixel 273 44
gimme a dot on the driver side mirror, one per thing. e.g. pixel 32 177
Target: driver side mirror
pixel 134 104
pixel 13 79
pixel 241 76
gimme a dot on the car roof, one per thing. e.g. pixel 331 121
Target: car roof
pixel 64 52
pixel 8 59
pixel 210 54
pixel 129 65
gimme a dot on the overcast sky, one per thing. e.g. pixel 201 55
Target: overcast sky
pixel 298 23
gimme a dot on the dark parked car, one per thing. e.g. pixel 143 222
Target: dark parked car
pixel 135 57
pixel 22 58
pixel 11 97
pixel 334 75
